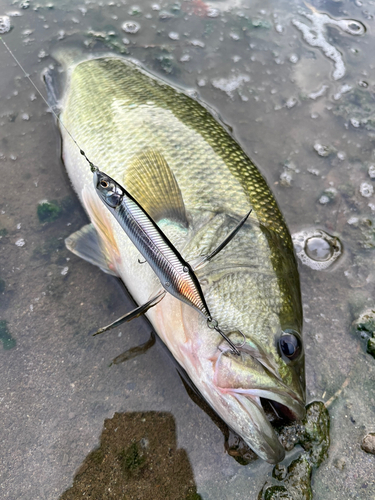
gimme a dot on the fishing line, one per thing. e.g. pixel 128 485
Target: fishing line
pixel 93 167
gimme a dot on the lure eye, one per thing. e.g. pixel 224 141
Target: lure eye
pixel 290 345
pixel 104 183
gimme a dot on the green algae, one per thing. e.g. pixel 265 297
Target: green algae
pixel 131 459
pixel 109 40
pixel 6 338
pixel 371 347
pixel 166 62
pixel 358 105
pixel 97 456
pixel 48 211
pixel 366 322
pixel 366 325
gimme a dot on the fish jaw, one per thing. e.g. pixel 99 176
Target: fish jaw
pixel 196 348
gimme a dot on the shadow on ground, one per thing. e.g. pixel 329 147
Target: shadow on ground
pixel 137 459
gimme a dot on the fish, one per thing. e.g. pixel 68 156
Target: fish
pixel 143 133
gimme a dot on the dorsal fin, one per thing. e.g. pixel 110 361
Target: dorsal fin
pixel 152 183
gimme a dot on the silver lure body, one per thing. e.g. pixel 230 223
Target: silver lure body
pixel 174 273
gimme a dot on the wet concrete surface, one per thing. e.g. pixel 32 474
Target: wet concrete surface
pixel 312 136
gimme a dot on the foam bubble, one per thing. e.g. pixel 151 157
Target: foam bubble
pixel 314 36
pixel 131 27
pixel 229 85
pixel 366 189
pixel 20 242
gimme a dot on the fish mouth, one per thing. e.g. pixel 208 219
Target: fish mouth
pixel 264 414
pixel 265 402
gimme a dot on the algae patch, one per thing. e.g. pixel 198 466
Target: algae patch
pixel 6 338
pixel 48 211
pixel 366 325
pixel 132 459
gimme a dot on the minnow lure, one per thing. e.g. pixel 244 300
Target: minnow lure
pixel 175 274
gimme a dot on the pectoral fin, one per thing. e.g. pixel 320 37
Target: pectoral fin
pixel 85 243
pixel 101 220
pixel 152 183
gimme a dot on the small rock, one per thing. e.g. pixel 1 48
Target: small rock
pixel 323 200
pixel 366 322
pixel 371 347
pixel 4 24
pixel 368 443
pixel 286 178
pixel 322 150
pixel 339 463
pixel 371 171
pixel 293 58
pixel 291 102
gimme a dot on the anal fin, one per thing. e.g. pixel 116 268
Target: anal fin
pixel 152 183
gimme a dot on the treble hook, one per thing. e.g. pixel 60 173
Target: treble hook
pixel 214 325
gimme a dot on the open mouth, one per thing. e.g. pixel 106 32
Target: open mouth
pixel 277 413
pixel 267 411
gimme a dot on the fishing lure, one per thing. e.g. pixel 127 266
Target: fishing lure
pixel 176 275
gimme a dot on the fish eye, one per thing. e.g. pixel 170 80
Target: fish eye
pixel 290 345
pixel 104 183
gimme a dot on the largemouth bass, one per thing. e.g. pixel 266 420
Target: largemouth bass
pixel 144 133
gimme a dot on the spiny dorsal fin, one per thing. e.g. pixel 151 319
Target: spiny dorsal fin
pixel 152 183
